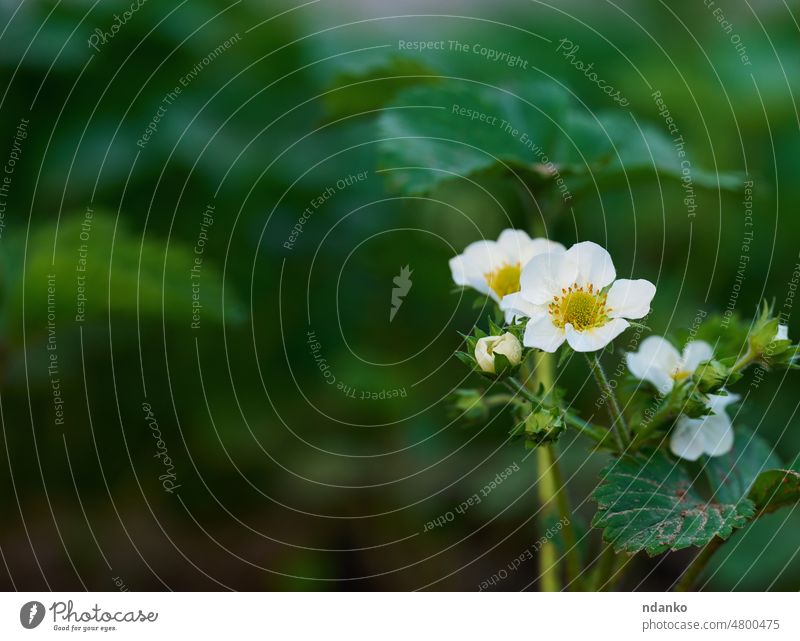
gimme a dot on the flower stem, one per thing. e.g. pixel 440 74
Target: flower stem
pixel 610 569
pixel 748 357
pixel 605 568
pixel 618 424
pixel 553 496
pixel 697 566
pixel 549 581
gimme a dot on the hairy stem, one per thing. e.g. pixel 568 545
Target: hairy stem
pixel 549 581
pixel 553 495
pixel 697 566
pixel 618 424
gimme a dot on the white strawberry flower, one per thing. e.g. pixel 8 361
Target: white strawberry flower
pixel 711 435
pixel 659 363
pixel 493 267
pixel 574 296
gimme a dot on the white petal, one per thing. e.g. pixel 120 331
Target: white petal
pixel 458 270
pixel 718 403
pixel 515 306
pixel 685 441
pixel 481 256
pixel 540 246
pixel 542 334
pixel 594 264
pixel 470 268
pixel 695 353
pixel 782 334
pixel 630 298
pixel 597 338
pixel 545 275
pixel 655 362
pixel 512 244
pixel 717 434
pixel 483 353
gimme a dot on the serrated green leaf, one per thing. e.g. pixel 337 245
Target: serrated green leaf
pixel 651 505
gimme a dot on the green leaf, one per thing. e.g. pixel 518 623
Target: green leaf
pixel 643 147
pixel 434 134
pixel 752 470
pixel 368 88
pixel 651 505
pixel 775 489
pixel 732 475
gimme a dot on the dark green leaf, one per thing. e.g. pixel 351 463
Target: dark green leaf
pixel 431 136
pixel 434 134
pixel 650 504
pixel 355 91
pixel 774 489
pixel 732 475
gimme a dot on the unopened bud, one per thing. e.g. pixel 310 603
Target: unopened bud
pixel 489 348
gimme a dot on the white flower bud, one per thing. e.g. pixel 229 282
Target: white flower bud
pixel 508 345
pixel 782 334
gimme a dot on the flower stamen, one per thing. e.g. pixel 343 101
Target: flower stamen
pixel 505 279
pixel 582 307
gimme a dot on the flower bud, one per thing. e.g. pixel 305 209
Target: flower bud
pixel 543 426
pixel 710 376
pixel 489 348
pixel 765 332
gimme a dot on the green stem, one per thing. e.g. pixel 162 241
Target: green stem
pixel 618 424
pixel 565 511
pixel 552 494
pixel 549 581
pixel 697 566
pixel 605 568
pixel 744 361
pixel 621 564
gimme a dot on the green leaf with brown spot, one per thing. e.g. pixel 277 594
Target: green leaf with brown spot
pixel 651 504
pixel 775 489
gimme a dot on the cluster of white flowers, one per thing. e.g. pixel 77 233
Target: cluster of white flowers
pixel 573 296
pixel 570 295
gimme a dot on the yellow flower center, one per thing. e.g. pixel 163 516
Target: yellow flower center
pixel 583 308
pixel 679 375
pixel 504 280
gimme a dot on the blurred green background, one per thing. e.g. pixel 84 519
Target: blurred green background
pixel 286 480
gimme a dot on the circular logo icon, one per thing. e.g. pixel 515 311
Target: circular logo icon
pixel 31 614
